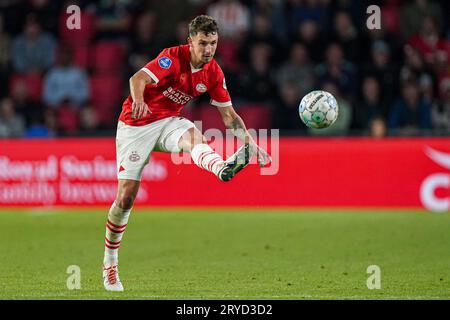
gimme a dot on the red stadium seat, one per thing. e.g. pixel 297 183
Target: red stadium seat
pixel 32 82
pixel 108 58
pixel 256 116
pixel 77 37
pixel 391 18
pixel 67 118
pixel 81 57
pixel 106 93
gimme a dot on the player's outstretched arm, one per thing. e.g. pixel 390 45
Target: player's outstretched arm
pixel 235 123
pixel 137 86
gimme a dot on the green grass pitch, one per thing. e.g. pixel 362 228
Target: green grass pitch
pixel 229 254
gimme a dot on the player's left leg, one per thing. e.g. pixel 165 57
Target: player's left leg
pixel 205 157
pixel 202 154
pixel 182 135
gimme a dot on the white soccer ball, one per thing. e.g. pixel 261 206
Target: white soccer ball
pixel 318 109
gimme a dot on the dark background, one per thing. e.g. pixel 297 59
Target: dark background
pixel 393 81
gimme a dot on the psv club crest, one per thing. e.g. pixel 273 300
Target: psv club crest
pixel 200 87
pixel 134 156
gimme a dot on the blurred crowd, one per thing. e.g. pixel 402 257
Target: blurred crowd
pixel 389 81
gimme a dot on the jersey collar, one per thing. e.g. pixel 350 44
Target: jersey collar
pixel 194 70
pixel 187 56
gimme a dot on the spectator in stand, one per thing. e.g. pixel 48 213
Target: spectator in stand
pixel 146 43
pixel 256 82
pixel 25 106
pixel 5 43
pixel 428 41
pixel 89 121
pixel 354 9
pixel 414 67
pixel 343 123
pixel 114 19
pixel 261 32
pixel 297 70
pixel 47 13
pixel 37 128
pixel 370 106
pixel 413 12
pixel 346 34
pixel 286 113
pixel 274 10
pixel 381 37
pixel 410 113
pixel 232 17
pixel 50 122
pixel 180 36
pixel 426 86
pixel 234 22
pixel 309 34
pixel 14 13
pixel 382 68
pixel 11 124
pixel 33 51
pixel 377 128
pixel 168 18
pixel 65 83
pixel 440 112
pixel 337 70
pixel 301 11
pixel 441 67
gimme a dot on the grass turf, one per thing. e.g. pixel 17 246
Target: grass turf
pixel 226 254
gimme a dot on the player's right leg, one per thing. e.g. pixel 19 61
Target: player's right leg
pixel 115 227
pixel 133 147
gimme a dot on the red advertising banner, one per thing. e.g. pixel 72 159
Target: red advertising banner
pixel 313 172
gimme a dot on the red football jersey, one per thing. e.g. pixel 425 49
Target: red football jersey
pixel 177 83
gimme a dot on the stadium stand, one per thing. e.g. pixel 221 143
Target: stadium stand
pixel 272 53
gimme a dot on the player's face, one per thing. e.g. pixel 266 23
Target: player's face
pixel 203 47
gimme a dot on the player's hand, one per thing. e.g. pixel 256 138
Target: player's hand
pixel 139 109
pixel 263 157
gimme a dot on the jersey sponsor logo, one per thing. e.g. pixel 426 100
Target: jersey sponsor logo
pixel 164 62
pixel 134 157
pixel 201 87
pixel 177 96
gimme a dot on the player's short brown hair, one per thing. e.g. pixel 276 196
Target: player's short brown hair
pixel 203 23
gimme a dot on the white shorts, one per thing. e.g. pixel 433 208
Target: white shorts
pixel 134 144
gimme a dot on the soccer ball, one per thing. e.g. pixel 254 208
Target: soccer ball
pixel 318 109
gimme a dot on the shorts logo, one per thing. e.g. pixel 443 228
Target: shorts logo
pixel 201 87
pixel 164 62
pixel 134 157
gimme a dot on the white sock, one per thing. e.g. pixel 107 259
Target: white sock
pixel 206 158
pixel 115 227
